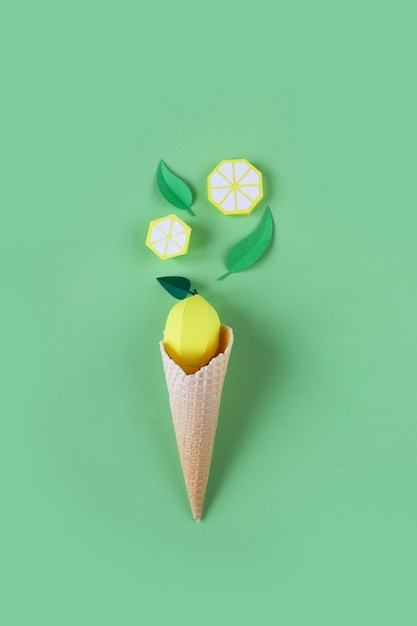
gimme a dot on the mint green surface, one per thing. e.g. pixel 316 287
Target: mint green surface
pixel 250 249
pixel 310 515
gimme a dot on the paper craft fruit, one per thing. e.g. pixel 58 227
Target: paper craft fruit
pixel 168 237
pixel 235 187
pixel 191 336
pixel 195 397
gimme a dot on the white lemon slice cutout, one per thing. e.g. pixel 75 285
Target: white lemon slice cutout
pixel 168 237
pixel 235 187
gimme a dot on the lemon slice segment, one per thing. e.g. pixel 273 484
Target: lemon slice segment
pixel 168 237
pixel 235 187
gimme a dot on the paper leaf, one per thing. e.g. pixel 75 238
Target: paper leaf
pixel 177 286
pixel 249 250
pixel 174 189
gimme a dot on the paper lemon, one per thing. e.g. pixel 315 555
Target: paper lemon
pixel 235 187
pixel 191 335
pixel 168 237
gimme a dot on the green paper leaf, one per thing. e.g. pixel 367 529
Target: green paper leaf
pixel 249 250
pixel 174 189
pixel 177 286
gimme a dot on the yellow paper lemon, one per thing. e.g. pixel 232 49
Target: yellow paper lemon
pixel 192 331
pixel 168 237
pixel 235 187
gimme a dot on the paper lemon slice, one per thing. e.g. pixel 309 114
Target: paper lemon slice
pixel 235 187
pixel 168 237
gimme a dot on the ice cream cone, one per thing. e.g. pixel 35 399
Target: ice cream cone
pixel 195 401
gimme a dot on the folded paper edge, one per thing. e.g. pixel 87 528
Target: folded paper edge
pixel 225 347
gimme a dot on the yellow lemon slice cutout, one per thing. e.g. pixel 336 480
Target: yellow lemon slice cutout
pixel 235 187
pixel 168 237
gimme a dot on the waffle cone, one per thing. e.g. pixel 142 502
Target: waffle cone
pixel 195 401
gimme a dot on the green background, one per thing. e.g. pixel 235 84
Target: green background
pixel 310 512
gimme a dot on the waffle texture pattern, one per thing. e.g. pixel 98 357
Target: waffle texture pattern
pixel 195 401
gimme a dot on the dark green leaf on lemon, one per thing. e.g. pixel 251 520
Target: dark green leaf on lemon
pixel 177 286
